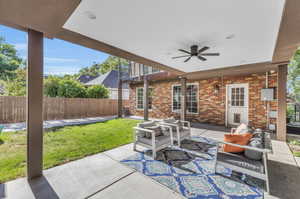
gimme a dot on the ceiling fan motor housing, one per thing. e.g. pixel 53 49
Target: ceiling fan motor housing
pixel 194 50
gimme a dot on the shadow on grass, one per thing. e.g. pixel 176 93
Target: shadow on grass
pixel 57 128
pixel 1 141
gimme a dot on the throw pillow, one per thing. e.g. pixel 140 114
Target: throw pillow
pixel 241 139
pixel 251 154
pixel 242 128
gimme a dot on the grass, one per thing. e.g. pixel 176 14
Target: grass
pixel 296 153
pixel 295 147
pixel 63 145
pixel 294 142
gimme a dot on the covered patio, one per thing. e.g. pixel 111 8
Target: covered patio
pixel 247 42
pixel 103 176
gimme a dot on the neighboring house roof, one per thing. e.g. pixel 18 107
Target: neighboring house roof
pixel 86 78
pixel 109 80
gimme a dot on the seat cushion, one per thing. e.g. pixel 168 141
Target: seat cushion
pixel 169 120
pixel 240 161
pixel 183 134
pixel 147 124
pixel 159 141
pixel 241 139
pixel 173 121
pixel 157 130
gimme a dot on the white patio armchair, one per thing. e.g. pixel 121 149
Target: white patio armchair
pixel 152 141
pixel 181 129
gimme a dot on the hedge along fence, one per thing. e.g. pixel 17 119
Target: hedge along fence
pixel 13 109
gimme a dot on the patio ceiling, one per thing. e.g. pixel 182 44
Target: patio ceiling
pixel 243 32
pixel 152 31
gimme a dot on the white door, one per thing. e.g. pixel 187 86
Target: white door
pixel 237 104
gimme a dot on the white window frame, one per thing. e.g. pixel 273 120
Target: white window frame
pixel 197 96
pixel 136 100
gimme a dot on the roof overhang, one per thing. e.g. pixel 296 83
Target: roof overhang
pixel 242 70
pixel 51 17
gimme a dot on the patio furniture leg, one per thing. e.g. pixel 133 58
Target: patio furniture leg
pixel 265 159
pixel 153 154
pixel 215 165
pixel 153 146
pixel 134 146
pixel 134 140
pixel 178 137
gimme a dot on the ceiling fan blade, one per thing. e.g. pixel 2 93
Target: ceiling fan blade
pixel 203 49
pixel 184 51
pixel 202 58
pixel 188 59
pixel 210 54
pixel 180 56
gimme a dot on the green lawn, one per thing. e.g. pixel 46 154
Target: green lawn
pixel 63 145
pixel 295 147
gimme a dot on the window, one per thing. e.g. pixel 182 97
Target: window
pixel 237 97
pixel 237 118
pixel 140 98
pixel 147 70
pixel 176 98
pixel 155 70
pixel 191 98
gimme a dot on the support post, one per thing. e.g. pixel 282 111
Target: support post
pixel 183 99
pixel 146 98
pixel 120 93
pixel 281 97
pixel 35 104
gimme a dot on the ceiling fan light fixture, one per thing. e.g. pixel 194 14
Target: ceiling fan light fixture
pixel 196 52
pixel 90 15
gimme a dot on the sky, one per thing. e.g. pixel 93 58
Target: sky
pixel 60 57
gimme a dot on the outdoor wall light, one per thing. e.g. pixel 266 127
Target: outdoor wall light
pixel 216 89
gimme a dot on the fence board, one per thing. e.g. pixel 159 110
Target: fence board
pixel 13 109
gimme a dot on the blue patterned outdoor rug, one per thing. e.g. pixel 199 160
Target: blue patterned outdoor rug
pixel 191 174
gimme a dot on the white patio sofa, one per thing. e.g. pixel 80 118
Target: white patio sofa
pixel 154 143
pixel 180 132
pixel 240 163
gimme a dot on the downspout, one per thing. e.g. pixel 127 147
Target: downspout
pixel 267 102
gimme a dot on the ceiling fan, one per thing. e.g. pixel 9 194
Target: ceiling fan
pixel 195 52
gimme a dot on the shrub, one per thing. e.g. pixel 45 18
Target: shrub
pixel 71 89
pixel 97 91
pixel 51 86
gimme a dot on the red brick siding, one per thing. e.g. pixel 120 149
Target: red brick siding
pixel 211 106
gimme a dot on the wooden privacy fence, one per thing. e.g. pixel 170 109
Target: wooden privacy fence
pixel 13 109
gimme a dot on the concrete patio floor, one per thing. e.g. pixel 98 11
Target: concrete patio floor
pixel 102 176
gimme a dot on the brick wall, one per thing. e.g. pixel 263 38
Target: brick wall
pixel 211 105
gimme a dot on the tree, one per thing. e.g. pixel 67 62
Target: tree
pixel 51 86
pixel 9 60
pixel 16 86
pixel 97 91
pixel 294 77
pixel 111 63
pixel 71 89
